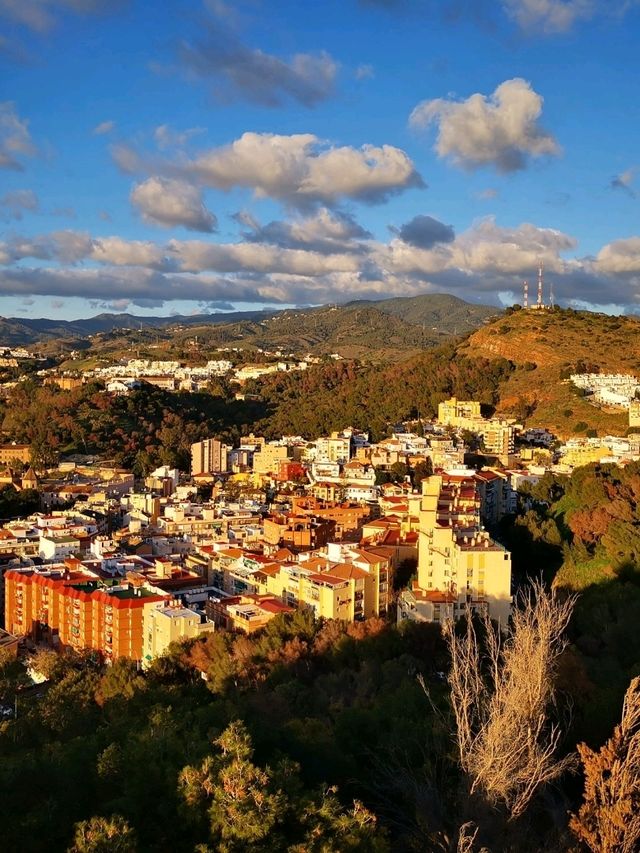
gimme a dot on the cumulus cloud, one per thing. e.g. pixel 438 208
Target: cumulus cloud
pixel 424 232
pixel 620 256
pixel 196 256
pixel 301 170
pixel 325 232
pixel 242 71
pixel 15 139
pixel 170 202
pixel 17 202
pixel 501 130
pixel 287 267
pixel 103 128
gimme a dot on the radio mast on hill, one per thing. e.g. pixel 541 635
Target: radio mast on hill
pixel 525 287
pixel 540 284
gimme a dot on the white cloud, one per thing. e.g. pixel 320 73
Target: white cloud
pixel 500 130
pixel 620 256
pixel 104 127
pixel 15 139
pixel 301 170
pixel 120 252
pixel 482 262
pixel 324 231
pixel 170 202
pixel 549 16
pixel 196 256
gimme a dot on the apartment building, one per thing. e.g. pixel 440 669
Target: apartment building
pixel 246 613
pixel 267 460
pixel 299 532
pixel 170 623
pixel 336 448
pixel 454 412
pixel 459 565
pixel 79 610
pixel 209 457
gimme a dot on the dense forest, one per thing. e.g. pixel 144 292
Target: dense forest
pixel 142 430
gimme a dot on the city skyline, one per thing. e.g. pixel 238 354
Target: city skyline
pixel 202 156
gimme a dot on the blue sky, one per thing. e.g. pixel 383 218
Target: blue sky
pixel 193 156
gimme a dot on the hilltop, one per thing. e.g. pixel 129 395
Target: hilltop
pixel 373 331
pixel 549 345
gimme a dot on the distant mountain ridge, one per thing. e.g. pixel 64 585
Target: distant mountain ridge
pixel 448 315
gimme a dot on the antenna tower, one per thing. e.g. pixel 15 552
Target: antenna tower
pixel 525 287
pixel 540 284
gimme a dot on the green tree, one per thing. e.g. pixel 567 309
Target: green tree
pixel 104 835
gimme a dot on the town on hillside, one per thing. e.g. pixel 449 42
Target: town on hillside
pixel 341 526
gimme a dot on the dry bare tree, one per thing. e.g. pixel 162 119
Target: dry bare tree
pixel 609 818
pixel 503 698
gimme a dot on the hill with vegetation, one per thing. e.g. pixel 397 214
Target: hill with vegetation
pixel 547 347
pixel 380 331
pixel 435 311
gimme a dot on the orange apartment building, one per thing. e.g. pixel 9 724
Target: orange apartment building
pixel 77 610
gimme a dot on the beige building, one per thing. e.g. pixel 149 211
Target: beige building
pixel 459 565
pixel 209 457
pixel 634 413
pixel 268 459
pixel 11 452
pixel 168 624
pixel 336 448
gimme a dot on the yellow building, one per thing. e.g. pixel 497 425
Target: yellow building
pixel 459 565
pixel 453 411
pixel 165 625
pixel 634 413
pixel 584 454
pixel 333 591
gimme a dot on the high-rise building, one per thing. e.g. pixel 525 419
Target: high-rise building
pixel 209 457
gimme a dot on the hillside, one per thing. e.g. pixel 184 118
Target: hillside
pixel 547 344
pixel 438 310
pixel 372 331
